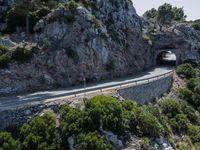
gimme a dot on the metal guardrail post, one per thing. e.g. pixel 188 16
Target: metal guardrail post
pixel 101 91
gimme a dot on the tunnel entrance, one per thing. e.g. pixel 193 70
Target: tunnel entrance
pixel 166 58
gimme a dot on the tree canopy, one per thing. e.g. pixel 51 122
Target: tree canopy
pixel 165 14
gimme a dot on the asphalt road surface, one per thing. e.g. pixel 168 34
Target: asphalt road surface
pixel 10 102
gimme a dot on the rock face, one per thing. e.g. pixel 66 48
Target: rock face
pixel 112 138
pixel 101 41
pixel 180 36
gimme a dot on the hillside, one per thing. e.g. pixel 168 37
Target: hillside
pixel 106 123
pixel 60 44
pixel 97 40
pixel 54 44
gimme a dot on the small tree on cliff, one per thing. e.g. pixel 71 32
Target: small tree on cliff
pixel 151 14
pixel 165 15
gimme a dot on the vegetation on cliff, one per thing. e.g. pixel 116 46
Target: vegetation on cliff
pixel 165 15
pixel 21 54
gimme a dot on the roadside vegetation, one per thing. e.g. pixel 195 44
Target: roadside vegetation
pixel 19 54
pixel 168 118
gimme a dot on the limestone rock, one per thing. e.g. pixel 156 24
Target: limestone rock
pixel 71 141
pixel 111 137
pixel 81 41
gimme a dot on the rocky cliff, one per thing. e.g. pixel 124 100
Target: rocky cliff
pixel 180 36
pixel 98 41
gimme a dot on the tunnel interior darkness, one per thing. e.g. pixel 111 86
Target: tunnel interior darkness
pixel 166 58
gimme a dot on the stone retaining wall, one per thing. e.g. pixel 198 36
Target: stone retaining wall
pixel 147 92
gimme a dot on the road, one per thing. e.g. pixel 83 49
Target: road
pixel 8 102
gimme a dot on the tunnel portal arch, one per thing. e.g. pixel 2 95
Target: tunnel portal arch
pixel 167 57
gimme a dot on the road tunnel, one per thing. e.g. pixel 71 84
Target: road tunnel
pixel 166 58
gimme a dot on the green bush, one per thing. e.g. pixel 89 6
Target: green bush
pixel 191 115
pixel 194 133
pixel 149 124
pixel 191 93
pixel 186 70
pixel 129 105
pixel 193 84
pixel 94 141
pixel 179 123
pixel 130 110
pixel 110 66
pixel 4 60
pixel 185 94
pixel 15 18
pixel 196 26
pixel 72 4
pixel 86 3
pixel 40 133
pixel 170 107
pixel 3 50
pixel 7 142
pixel 72 121
pixel 22 54
pixel 72 54
pixel 146 38
pixel 106 112
pixel 36 16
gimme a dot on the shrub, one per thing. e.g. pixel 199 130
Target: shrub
pixel 7 142
pixel 94 141
pixel 146 38
pixel 196 99
pixel 193 84
pixel 3 49
pixel 179 123
pixel 72 54
pixel 40 133
pixel 170 107
pixel 36 16
pixel 149 124
pixel 130 110
pixel 186 70
pixel 196 26
pixel 72 121
pixel 194 133
pixel 72 4
pixel 129 105
pixel 22 54
pixel 106 112
pixel 86 3
pixel 110 66
pixel 4 60
pixel 14 19
pixel 97 22
pixel 185 94
pixel 191 115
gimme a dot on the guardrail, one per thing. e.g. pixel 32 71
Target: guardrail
pixel 119 86
pixel 141 81
pixel 90 91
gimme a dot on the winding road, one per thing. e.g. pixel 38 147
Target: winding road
pixel 45 96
